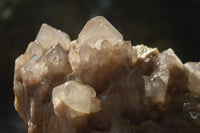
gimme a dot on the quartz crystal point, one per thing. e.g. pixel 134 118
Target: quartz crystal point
pixel 49 36
pixel 99 29
pixel 34 85
pixel 172 71
pixel 99 51
pixel 155 88
pixel 99 83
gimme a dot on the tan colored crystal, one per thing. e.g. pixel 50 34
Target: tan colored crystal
pixel 194 76
pixel 49 36
pixel 145 58
pixel 77 97
pixel 172 71
pixel 99 29
pixel 73 103
pixel 95 66
pixel 155 88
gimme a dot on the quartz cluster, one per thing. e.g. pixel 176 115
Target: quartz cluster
pixel 100 83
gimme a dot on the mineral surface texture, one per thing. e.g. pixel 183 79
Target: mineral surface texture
pixel 100 83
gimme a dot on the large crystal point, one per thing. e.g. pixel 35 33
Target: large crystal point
pixel 35 49
pixel 49 36
pixel 99 46
pixel 98 29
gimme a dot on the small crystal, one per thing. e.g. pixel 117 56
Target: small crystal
pixel 194 76
pixel 155 88
pixel 172 71
pixel 57 61
pixel 35 49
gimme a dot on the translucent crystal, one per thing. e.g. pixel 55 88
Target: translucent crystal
pixel 155 88
pixel 77 97
pixel 49 36
pixel 57 61
pixel 38 76
pixel 168 58
pixel 21 101
pixel 172 71
pixel 39 67
pixel 33 71
pixel 95 67
pixel 98 47
pixel 97 29
pixel 19 62
pixel 194 76
pixel 74 102
pixel 35 49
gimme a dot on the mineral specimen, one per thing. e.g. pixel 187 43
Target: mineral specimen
pixel 99 83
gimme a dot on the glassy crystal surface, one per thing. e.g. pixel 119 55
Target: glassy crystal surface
pixel 194 76
pixel 103 31
pixel 155 88
pixel 49 36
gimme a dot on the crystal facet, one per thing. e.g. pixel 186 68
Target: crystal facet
pixel 194 76
pixel 49 36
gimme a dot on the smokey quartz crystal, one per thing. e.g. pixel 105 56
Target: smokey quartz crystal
pixel 100 83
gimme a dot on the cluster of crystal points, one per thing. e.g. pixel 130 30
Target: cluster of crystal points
pixel 99 83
